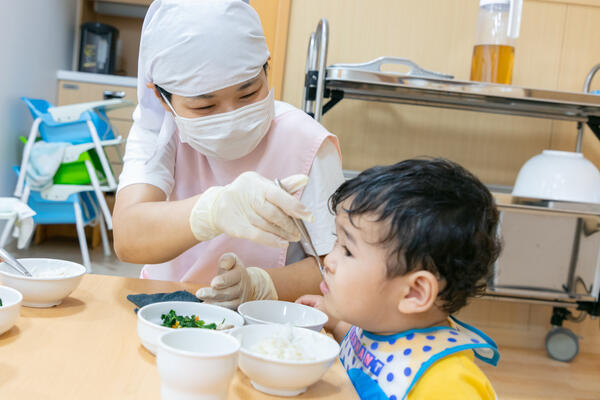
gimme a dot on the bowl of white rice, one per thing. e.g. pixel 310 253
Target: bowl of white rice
pixel 283 360
pixel 52 280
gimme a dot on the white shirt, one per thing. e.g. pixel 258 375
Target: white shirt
pixel 325 176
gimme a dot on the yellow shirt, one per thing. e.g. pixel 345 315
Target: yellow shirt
pixel 455 377
pixel 430 363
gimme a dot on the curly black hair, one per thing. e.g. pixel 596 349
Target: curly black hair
pixel 439 218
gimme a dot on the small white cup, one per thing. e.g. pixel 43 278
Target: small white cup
pixel 196 364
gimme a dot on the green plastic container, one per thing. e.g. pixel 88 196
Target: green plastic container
pixel 75 173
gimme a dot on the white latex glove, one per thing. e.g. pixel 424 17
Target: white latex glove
pixel 236 284
pixel 251 207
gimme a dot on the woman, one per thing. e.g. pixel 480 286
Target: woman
pixel 206 144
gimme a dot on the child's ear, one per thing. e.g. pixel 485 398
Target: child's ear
pixel 420 292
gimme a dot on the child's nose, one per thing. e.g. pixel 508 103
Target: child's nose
pixel 329 263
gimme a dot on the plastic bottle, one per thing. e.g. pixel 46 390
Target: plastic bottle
pixel 498 26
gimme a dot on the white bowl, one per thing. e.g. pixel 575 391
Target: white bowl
pixel 149 323
pixel 196 364
pixel 559 176
pixel 284 377
pixel 282 312
pixel 46 291
pixel 10 309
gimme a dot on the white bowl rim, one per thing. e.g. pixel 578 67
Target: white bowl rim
pixel 56 278
pixel 194 354
pixel 320 314
pixel 287 362
pixel 19 294
pixel 145 321
pixel 562 153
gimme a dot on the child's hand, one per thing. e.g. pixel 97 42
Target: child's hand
pixel 316 301
pixel 312 300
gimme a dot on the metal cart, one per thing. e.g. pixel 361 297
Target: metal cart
pixel 552 249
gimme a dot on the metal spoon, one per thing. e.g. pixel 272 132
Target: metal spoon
pixel 13 262
pixel 304 233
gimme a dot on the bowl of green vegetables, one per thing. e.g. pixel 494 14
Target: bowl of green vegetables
pixel 156 319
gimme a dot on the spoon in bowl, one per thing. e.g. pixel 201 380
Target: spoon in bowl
pixel 13 262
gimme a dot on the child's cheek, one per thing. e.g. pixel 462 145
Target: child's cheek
pixel 330 305
pixel 334 296
pixel 342 297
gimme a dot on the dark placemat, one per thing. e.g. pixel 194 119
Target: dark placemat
pixel 143 299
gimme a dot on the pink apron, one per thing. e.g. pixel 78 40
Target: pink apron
pixel 288 148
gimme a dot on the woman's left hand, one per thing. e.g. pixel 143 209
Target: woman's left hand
pixel 236 284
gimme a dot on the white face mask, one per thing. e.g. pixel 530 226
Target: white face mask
pixel 229 135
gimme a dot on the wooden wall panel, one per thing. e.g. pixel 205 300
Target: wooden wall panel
pixel 438 35
pixel 580 52
pixel 274 15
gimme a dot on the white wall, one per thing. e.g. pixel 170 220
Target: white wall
pixel 37 40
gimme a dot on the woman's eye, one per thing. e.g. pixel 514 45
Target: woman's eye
pixel 205 107
pixel 249 95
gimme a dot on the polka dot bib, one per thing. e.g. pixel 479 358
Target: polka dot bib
pixel 387 367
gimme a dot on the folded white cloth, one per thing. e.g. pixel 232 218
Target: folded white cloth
pixel 11 207
pixel 44 160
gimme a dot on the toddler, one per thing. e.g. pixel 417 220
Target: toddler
pixel 415 241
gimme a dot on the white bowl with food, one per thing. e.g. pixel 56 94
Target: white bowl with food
pixel 283 360
pixel 283 312
pixel 196 364
pixel 52 280
pixel 150 319
pixel 10 307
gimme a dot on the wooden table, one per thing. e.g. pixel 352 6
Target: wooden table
pixel 88 348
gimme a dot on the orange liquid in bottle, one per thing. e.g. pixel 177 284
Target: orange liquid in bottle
pixel 492 63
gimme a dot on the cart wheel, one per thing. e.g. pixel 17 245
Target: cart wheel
pixel 562 344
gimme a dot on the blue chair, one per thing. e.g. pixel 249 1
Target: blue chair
pixel 81 209
pixel 85 127
pixel 73 126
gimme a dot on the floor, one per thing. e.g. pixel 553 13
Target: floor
pixel 68 249
pixel 522 374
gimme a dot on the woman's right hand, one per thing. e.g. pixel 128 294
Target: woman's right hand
pixel 251 207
